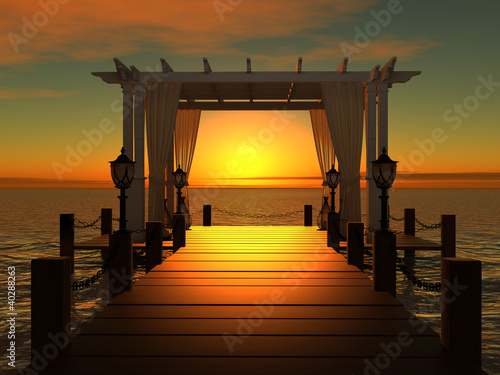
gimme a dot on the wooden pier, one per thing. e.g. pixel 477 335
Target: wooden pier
pixel 256 300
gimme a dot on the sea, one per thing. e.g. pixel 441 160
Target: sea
pixel 29 228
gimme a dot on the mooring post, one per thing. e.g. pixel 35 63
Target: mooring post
pixel 355 245
pixel 333 231
pixel 121 267
pixel 308 215
pixel 461 307
pixel 50 304
pixel 67 238
pixel 448 233
pixel 384 262
pixel 409 228
pixel 154 244
pixel 207 215
pixel 179 232
pixel 106 221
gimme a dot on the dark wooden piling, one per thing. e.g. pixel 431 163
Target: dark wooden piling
pixel 154 244
pixel 121 267
pixel 461 307
pixel 207 215
pixel 50 306
pixel 384 262
pixel 448 239
pixel 67 238
pixel 409 228
pixel 179 232
pixel 333 231
pixel 355 245
pixel 308 215
pixel 106 221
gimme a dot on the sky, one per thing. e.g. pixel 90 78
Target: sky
pixel 60 125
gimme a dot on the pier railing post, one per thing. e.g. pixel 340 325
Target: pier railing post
pixel 333 228
pixel 355 245
pixel 461 307
pixel 50 303
pixel 154 244
pixel 409 229
pixel 106 221
pixel 179 231
pixel 448 239
pixel 121 267
pixel 308 215
pixel 67 238
pixel 384 262
pixel 207 215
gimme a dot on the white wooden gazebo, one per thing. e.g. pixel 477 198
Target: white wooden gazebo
pixel 153 100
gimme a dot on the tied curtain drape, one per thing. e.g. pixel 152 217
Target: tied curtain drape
pixel 162 101
pixel 186 132
pixel 344 105
pixel 324 144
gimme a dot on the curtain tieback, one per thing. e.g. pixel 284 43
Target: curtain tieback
pixel 350 181
pixel 156 181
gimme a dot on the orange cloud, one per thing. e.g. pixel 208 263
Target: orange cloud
pixel 93 29
pixel 26 93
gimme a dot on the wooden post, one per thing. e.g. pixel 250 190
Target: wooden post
pixel 355 245
pixel 333 231
pixel 154 244
pixel 50 306
pixel 106 221
pixel 409 228
pixel 308 215
pixel 207 215
pixel 461 307
pixel 67 238
pixel 448 231
pixel 384 262
pixel 179 232
pixel 121 267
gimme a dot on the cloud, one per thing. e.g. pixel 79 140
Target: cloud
pixel 94 29
pixel 26 93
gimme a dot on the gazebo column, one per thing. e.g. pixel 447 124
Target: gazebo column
pixel 136 205
pixel 128 120
pixel 383 117
pixel 170 181
pixel 372 192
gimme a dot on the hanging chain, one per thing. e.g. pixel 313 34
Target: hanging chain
pixel 231 213
pixel 82 225
pixel 395 218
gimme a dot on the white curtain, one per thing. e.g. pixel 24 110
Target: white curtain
pixel 162 101
pixel 324 144
pixel 186 132
pixel 344 105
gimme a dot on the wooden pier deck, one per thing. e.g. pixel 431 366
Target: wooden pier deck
pixel 256 300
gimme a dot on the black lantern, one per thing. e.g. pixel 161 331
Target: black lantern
pixel 122 172
pixel 180 180
pixel 332 178
pixel 384 173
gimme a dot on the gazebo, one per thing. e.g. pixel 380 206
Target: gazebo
pixel 168 103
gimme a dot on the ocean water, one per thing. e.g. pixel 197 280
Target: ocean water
pixel 29 228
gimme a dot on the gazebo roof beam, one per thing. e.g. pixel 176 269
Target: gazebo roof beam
pixel 165 66
pixel 298 67
pixel 136 74
pixel 387 70
pixel 122 70
pixel 206 66
pixel 374 74
pixel 343 65
pixel 249 65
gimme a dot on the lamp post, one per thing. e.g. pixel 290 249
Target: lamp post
pixel 122 172
pixel 332 178
pixel 180 180
pixel 384 173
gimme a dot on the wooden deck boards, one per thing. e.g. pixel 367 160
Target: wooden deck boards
pixel 255 300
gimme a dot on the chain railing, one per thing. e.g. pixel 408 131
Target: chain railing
pixel 83 225
pixel 423 226
pixel 231 213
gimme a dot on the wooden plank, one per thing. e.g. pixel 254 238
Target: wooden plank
pixel 180 256
pixel 146 281
pixel 296 274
